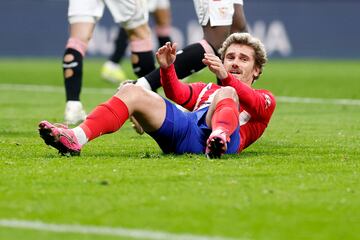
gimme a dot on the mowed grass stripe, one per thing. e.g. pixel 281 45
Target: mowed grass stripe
pixel 107 91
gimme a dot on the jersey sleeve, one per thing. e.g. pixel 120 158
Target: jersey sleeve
pixel 181 93
pixel 259 103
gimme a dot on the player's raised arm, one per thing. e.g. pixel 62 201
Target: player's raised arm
pixel 166 55
pixel 174 89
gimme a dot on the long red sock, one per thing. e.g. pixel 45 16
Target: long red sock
pixel 226 116
pixel 107 117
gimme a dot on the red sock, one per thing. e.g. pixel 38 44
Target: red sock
pixel 107 117
pixel 226 116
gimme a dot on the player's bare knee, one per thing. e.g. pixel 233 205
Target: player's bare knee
pixel 125 89
pixel 131 92
pixel 139 33
pixel 226 92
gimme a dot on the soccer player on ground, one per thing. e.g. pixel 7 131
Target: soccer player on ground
pixel 160 10
pixel 83 15
pixel 218 19
pixel 222 119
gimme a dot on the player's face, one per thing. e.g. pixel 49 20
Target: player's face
pixel 240 62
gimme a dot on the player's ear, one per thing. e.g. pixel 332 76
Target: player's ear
pixel 256 71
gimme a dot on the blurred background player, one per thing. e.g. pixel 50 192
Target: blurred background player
pixel 160 10
pixel 82 16
pixel 218 20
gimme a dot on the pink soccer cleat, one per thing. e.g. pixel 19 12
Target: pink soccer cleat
pixel 60 137
pixel 216 144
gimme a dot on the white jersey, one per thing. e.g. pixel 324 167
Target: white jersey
pixel 218 12
pixel 130 13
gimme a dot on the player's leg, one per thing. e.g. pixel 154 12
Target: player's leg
pixel 80 34
pixel 111 70
pixel 239 19
pixel 216 35
pixel 82 16
pixel 133 15
pixel 148 107
pixel 223 118
pixel 121 44
pixel 162 17
pixel 142 56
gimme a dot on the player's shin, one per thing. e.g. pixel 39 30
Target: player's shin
pixel 121 44
pixel 106 118
pixel 224 122
pixel 142 57
pixel 225 116
pixel 73 68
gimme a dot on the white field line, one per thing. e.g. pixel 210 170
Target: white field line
pixel 332 101
pixel 110 91
pixel 53 89
pixel 96 230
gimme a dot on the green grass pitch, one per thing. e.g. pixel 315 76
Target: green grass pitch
pixel 301 180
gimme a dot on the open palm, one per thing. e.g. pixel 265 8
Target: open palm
pixel 166 55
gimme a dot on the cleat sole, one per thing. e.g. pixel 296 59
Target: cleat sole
pixel 52 139
pixel 216 147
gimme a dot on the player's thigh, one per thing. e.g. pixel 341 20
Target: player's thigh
pixel 161 12
pixel 151 115
pixel 239 19
pixel 82 31
pixel 148 108
pixel 141 32
pixel 215 36
pixel 162 17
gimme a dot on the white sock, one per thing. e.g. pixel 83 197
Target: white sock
pixel 143 83
pixel 80 135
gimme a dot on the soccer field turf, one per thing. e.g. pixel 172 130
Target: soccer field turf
pixel 299 181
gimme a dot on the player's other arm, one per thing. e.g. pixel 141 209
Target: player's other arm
pixel 177 91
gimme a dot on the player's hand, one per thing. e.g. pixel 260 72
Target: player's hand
pixel 215 65
pixel 166 55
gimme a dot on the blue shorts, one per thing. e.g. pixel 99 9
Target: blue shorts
pixel 187 132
